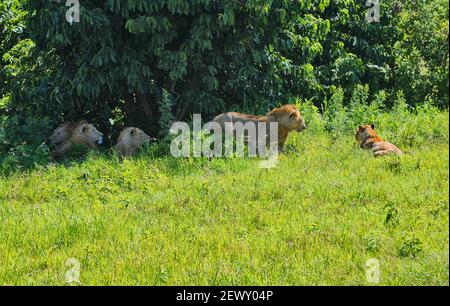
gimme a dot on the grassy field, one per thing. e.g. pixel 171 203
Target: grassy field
pixel 315 219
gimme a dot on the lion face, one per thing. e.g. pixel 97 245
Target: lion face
pixel 133 138
pixel 292 119
pixel 298 123
pixel 130 140
pixel 60 135
pixel 365 131
pixel 87 133
pixel 139 137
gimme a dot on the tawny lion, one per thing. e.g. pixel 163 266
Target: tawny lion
pixel 130 140
pixel 288 118
pixel 69 134
pixel 369 139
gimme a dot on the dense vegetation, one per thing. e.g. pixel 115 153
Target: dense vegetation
pixel 125 61
pixel 316 218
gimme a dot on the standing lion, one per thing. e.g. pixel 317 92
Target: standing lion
pixel 69 134
pixel 288 118
pixel 130 140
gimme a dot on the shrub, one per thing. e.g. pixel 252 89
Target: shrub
pixel 335 114
pixel 410 248
pixel 165 111
pixel 23 142
pixel 311 115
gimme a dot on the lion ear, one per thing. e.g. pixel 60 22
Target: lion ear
pixel 372 126
pixel 292 115
pixel 132 132
pixel 85 129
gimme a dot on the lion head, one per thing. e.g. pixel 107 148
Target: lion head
pixel 363 132
pixel 69 134
pixel 87 134
pixel 289 118
pixel 61 134
pixel 130 140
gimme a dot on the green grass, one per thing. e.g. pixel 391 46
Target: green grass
pixel 315 219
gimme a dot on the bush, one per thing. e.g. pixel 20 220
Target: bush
pixel 311 115
pixel 165 110
pixel 403 125
pixel 410 248
pixel 23 143
pixel 23 140
pixel 334 113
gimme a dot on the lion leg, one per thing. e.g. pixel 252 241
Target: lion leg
pixel 382 153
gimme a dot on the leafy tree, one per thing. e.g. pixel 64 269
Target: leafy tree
pixel 406 50
pixel 125 57
pixel 208 55
pixel 422 54
pixel 11 32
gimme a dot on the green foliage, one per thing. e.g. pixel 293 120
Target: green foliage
pixel 311 115
pixel 407 50
pixel 315 219
pixel 22 143
pixel 334 113
pixel 148 63
pixel 411 248
pixel 392 214
pixel 209 55
pixel 212 56
pixel 373 244
pixel 422 55
pixel 24 157
pixel 409 126
pixel 11 33
pixel 165 109
pixel 16 130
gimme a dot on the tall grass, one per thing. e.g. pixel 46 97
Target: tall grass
pixel 408 127
pixel 316 218
pixel 24 148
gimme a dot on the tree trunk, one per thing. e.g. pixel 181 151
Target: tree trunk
pixel 141 113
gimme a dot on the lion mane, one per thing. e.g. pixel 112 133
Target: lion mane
pixel 130 140
pixel 69 134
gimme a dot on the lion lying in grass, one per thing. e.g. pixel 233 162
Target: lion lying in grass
pixel 288 118
pixel 69 134
pixel 130 140
pixel 369 139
